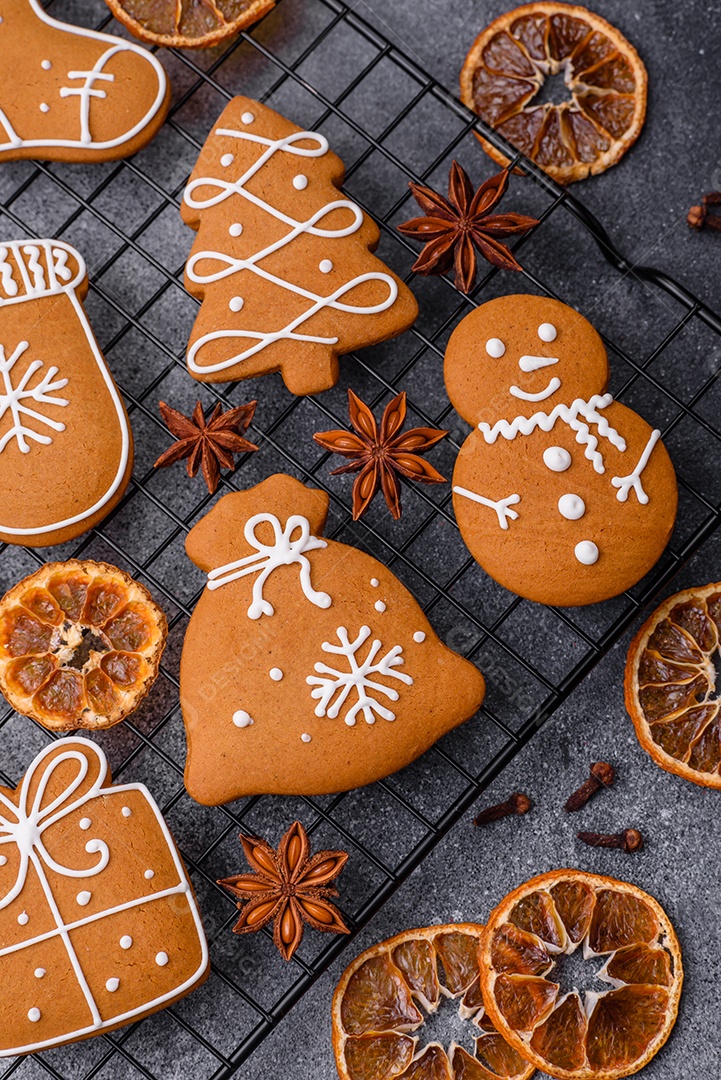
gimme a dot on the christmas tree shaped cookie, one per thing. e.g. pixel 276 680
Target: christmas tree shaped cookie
pixel 98 922
pixel 71 94
pixel 282 261
pixel 307 667
pixel 562 494
pixel 66 449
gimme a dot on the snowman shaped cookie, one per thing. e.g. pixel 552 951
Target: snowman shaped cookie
pixel 562 494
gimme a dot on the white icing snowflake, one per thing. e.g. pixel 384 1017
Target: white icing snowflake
pixel 342 682
pixel 13 398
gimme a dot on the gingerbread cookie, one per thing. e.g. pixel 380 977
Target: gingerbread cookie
pixel 66 448
pixel 307 667
pixel 99 922
pixel 562 494
pixel 71 94
pixel 282 261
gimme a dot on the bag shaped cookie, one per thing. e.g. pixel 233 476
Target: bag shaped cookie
pixel 307 667
pixel 66 448
pixel 98 922
pixel 282 261
pixel 71 94
pixel 562 494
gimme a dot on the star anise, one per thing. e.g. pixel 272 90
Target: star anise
pixel 381 458
pixel 208 443
pixel 289 887
pixel 452 228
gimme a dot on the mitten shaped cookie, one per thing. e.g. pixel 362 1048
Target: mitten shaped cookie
pixel 282 261
pixel 307 667
pixel 66 449
pixel 562 494
pixel 71 94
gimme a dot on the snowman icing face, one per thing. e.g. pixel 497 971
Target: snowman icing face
pixel 547 333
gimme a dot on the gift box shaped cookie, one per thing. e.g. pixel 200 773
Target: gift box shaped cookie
pixel 98 922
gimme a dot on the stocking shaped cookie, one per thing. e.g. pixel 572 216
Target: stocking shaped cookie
pixel 307 667
pixel 562 494
pixel 282 261
pixel 72 94
pixel 66 450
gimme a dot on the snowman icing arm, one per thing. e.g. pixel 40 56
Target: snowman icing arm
pixel 501 507
pixel 633 480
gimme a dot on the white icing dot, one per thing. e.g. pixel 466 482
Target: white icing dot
pixel 236 303
pixel 39 973
pixel 305 737
pixel 556 458
pixel 300 182
pixel 374 582
pixel 83 897
pixel 586 552
pixel 247 118
pixel 379 605
pixel 419 636
pixel 226 160
pixel 24 918
pixel 325 266
pixel 161 959
pixel 112 985
pixel 3 860
pixel 547 331
pixel 276 674
pixel 34 1015
pixel 572 507
pixel 149 874
pixel 235 229
pixel 126 941
pixel 46 65
pixel 243 719
pixel 495 347
pixel 44 107
pixel 85 823
pixel 126 811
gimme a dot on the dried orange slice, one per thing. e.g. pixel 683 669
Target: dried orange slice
pixel 531 979
pixel 604 76
pixel 386 996
pixel 80 645
pixel 670 685
pixel 188 24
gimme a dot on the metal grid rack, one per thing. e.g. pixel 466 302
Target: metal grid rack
pixel 324 67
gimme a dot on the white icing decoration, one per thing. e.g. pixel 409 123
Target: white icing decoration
pixel 236 229
pixel 60 279
pixel 419 636
pixel 305 737
pixel 247 118
pixel 571 507
pixel 24 918
pixel 569 414
pixel 230 265
pixel 126 811
pixel 34 1015
pixel 84 898
pixel 374 582
pixel 227 159
pixel 554 384
pixel 85 823
pixel 236 303
pixel 126 942
pixel 547 332
pixel 39 973
pixel 556 458
pixel 633 480
pixel 13 399
pixel 300 182
pixel 112 985
pixel 284 551
pixel 44 107
pixel 149 874
pixel 3 860
pixel 87 90
pixel 586 552
pixel 379 606
pixel 529 362
pixel 325 266
pixel 502 506
pixel 161 959
pixel 276 674
pixel 343 682
pixel 495 348
pixel 23 825
pixel 242 719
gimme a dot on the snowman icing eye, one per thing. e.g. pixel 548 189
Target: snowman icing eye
pixel 547 332
pixel 495 347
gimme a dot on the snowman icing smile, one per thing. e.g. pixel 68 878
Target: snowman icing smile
pixel 563 494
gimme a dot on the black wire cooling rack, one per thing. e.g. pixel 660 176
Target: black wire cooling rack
pixel 321 65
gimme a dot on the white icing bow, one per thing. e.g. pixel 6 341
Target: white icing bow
pixel 284 551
